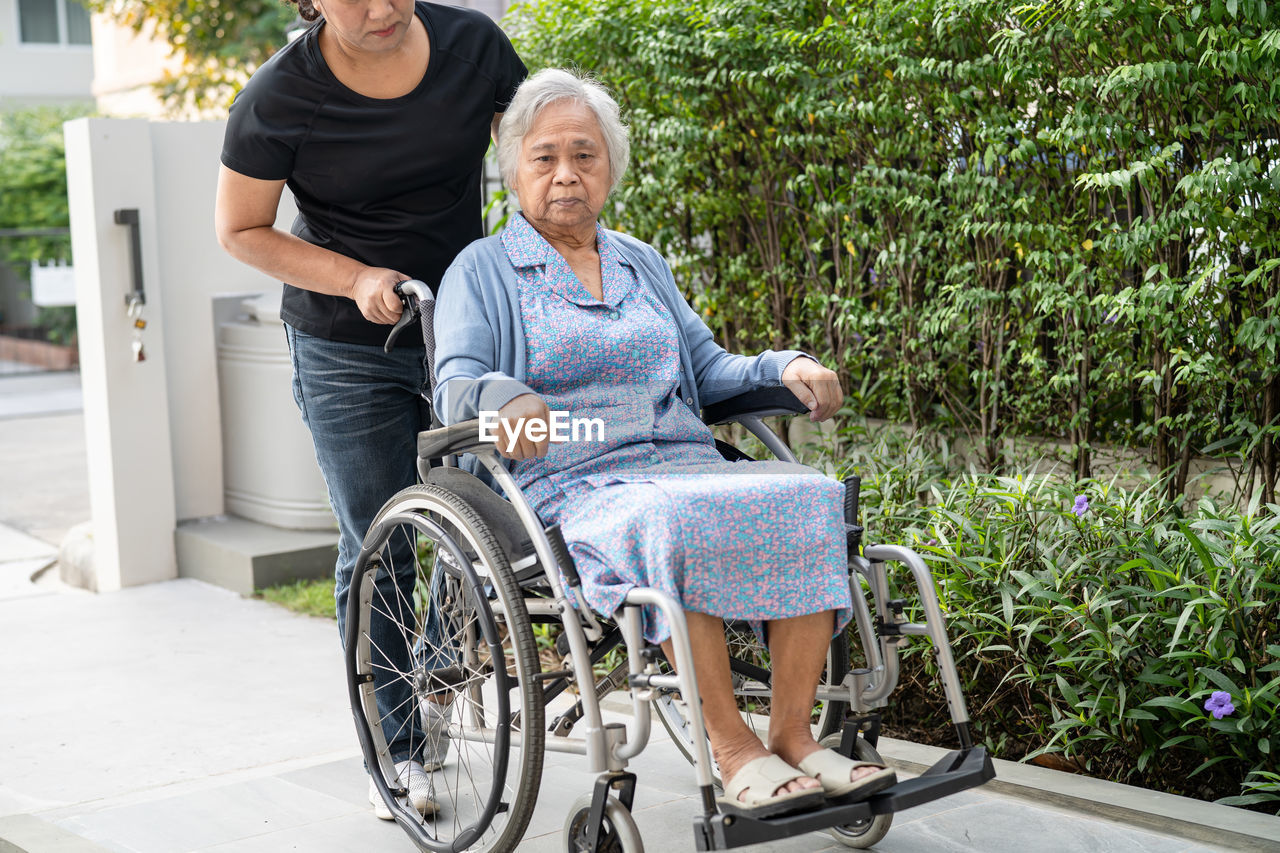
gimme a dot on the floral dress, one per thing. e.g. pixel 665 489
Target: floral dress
pixel 642 496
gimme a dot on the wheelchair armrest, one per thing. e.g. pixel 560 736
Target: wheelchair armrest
pixel 761 403
pixel 462 437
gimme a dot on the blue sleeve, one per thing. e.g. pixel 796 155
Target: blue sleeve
pixel 467 377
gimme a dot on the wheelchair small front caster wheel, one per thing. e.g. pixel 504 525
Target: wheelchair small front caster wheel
pixel 863 833
pixel 617 835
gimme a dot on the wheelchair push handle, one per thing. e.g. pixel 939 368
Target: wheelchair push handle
pixel 412 293
pixel 852 485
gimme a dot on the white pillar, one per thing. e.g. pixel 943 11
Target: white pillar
pixel 126 404
pixel 192 270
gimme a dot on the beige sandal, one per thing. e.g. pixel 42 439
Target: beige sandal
pixel 759 778
pixel 832 769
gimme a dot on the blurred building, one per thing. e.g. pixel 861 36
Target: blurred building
pixel 46 53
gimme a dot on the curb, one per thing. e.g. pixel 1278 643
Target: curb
pixel 23 833
pixel 1208 823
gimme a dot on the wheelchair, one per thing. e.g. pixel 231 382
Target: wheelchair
pixel 455 599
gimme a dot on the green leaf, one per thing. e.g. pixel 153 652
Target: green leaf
pixel 1186 614
pixel 1174 702
pixel 1068 692
pixel 1221 681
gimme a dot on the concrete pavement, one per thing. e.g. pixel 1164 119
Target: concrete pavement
pixel 182 717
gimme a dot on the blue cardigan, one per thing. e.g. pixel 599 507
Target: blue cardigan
pixel 480 343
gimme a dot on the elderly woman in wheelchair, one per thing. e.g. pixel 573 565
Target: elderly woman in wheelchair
pixel 569 374
pixel 560 313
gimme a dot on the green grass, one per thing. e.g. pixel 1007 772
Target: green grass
pixel 311 597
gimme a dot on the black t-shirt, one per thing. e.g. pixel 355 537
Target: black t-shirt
pixel 390 182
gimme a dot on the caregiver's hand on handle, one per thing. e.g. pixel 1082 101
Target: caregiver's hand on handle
pixel 514 420
pixel 373 291
pixel 815 386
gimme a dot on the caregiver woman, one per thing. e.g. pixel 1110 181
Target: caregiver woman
pixel 377 119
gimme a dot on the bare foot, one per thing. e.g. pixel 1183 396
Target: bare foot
pixel 798 747
pixel 732 756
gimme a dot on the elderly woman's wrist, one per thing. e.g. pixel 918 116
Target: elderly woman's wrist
pixel 499 392
pixel 788 357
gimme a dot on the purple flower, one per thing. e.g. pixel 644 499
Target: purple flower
pixel 1219 704
pixel 1081 506
pixel 874 278
pixel 1112 317
pixel 857 338
pixel 932 543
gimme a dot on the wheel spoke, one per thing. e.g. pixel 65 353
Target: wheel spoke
pixel 423 531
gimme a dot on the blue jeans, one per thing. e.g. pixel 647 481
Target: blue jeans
pixel 364 409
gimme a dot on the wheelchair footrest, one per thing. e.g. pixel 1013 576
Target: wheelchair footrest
pixel 957 771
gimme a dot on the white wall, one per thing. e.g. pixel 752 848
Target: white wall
pixel 153 428
pixel 40 73
pixel 126 65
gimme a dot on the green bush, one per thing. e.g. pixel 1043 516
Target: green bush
pixel 33 182
pixel 33 196
pixel 995 219
pixel 1093 622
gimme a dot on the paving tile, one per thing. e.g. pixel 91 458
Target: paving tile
pixel 925 811
pixel 234 684
pixel 15 577
pixel 44 474
pixel 208 818
pixel 343 780
pixel 1012 825
pixel 23 832
pixel 16 545
pixel 346 834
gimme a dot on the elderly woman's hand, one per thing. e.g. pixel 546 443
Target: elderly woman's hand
pixel 517 420
pixel 815 386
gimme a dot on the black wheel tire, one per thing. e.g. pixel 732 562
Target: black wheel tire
pixel 486 789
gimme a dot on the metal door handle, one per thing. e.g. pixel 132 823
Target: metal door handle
pixel 137 297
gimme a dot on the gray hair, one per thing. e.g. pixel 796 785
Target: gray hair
pixel 545 88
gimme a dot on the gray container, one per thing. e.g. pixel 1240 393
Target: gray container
pixel 269 466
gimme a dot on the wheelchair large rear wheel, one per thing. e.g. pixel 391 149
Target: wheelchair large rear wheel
pixel 454 682
pixel 749 664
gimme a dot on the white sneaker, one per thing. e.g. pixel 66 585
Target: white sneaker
pixel 435 728
pixel 413 777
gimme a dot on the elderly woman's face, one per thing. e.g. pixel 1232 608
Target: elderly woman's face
pixel 562 177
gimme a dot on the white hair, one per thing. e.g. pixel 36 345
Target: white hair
pixel 549 86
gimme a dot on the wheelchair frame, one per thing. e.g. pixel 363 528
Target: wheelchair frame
pixel 609 746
